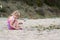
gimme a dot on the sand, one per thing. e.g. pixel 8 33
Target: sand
pixel 27 34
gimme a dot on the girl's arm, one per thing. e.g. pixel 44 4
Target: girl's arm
pixel 11 24
pixel 17 24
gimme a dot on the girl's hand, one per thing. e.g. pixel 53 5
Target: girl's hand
pixel 20 23
pixel 17 28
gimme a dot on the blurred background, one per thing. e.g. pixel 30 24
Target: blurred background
pixel 40 18
pixel 31 8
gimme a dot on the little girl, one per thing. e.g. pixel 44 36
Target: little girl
pixel 13 22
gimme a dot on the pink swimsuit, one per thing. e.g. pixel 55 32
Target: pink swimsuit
pixel 9 27
pixel 10 19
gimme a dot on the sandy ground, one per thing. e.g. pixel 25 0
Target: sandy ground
pixel 27 23
pixel 30 34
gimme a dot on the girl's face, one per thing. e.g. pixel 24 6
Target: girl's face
pixel 16 16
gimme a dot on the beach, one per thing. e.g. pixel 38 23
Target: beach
pixel 29 31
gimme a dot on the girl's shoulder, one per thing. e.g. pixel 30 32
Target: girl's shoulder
pixel 11 18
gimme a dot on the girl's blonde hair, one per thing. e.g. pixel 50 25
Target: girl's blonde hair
pixel 17 13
